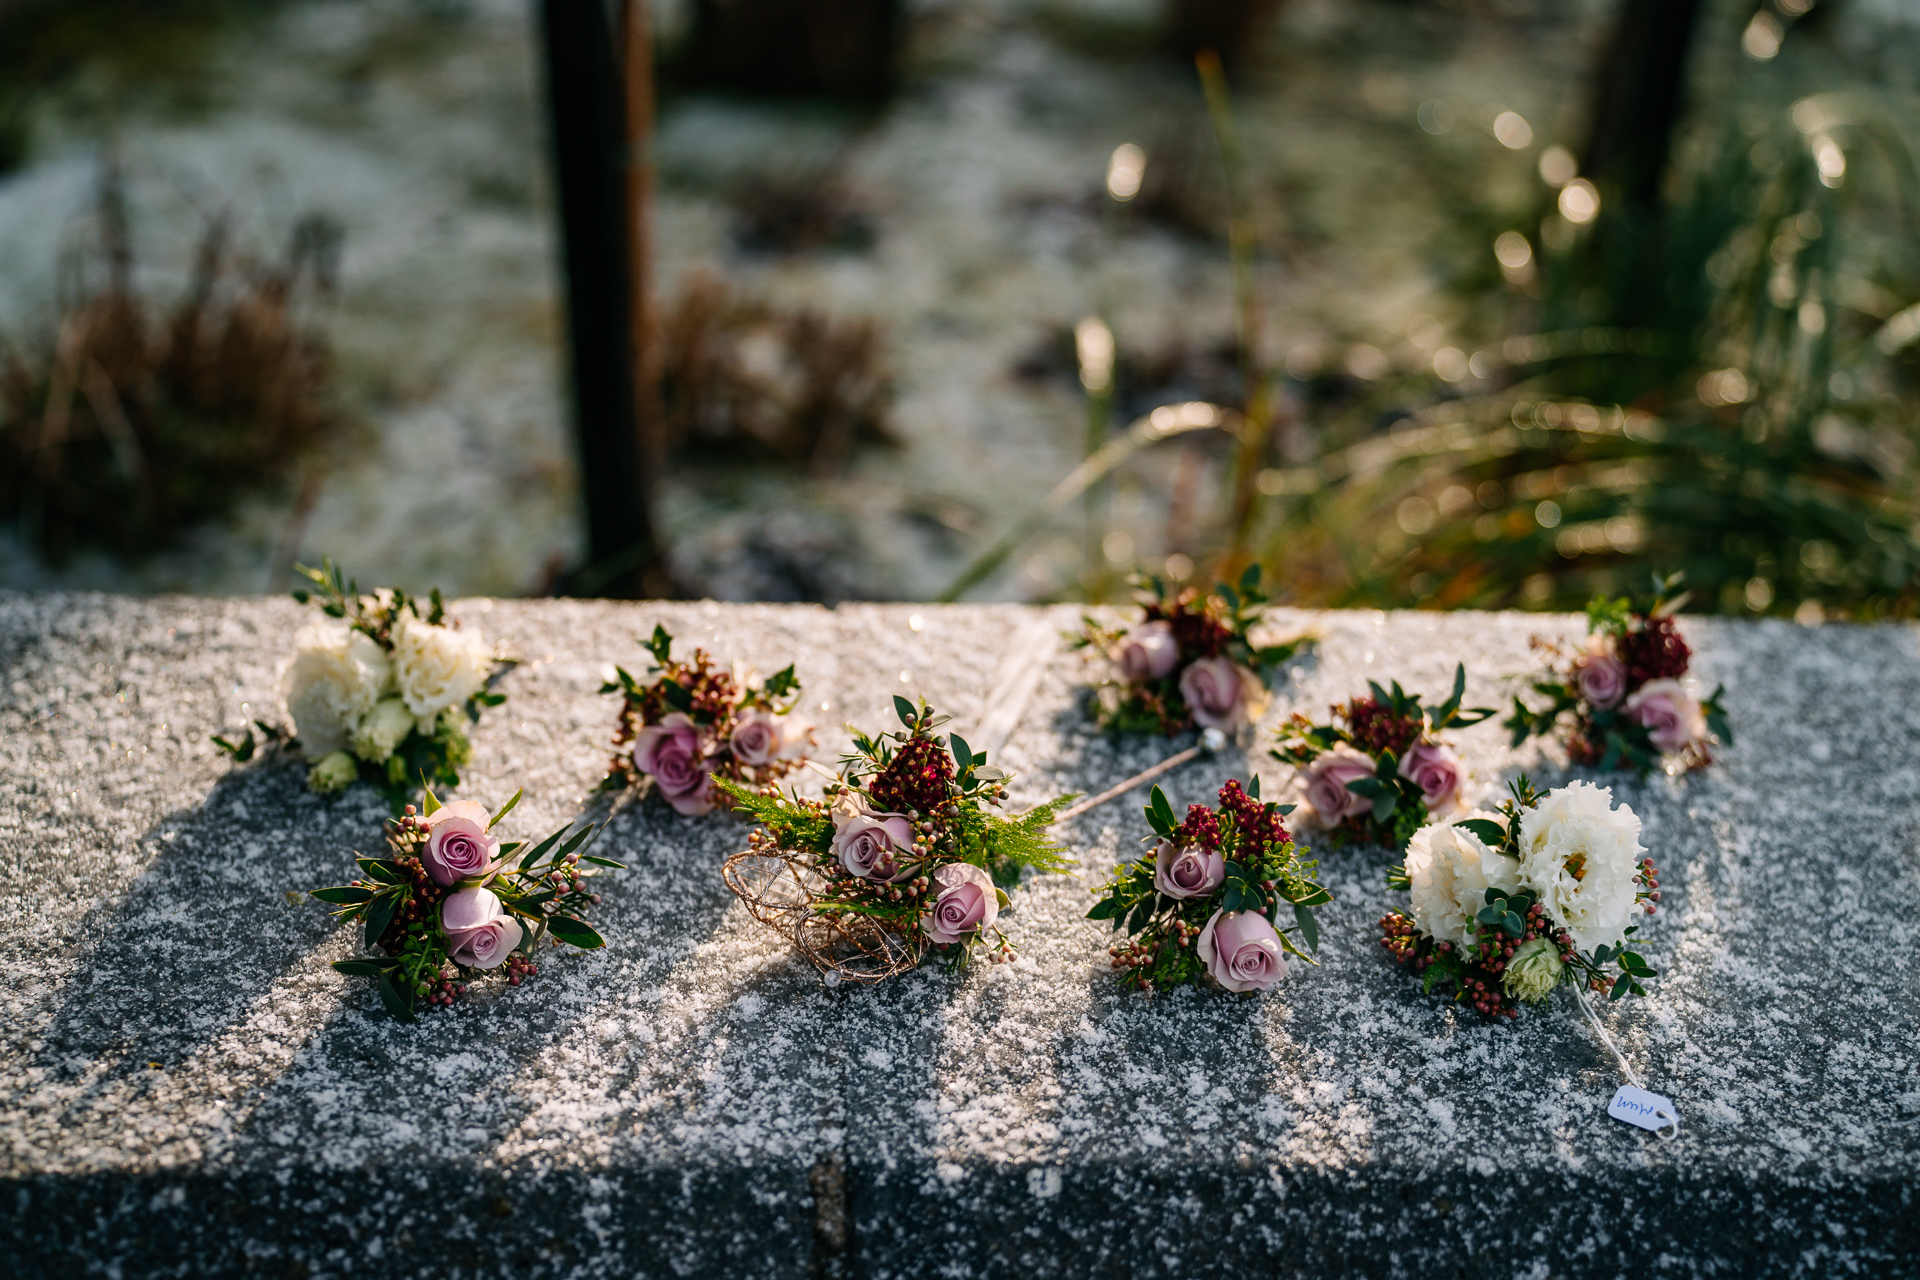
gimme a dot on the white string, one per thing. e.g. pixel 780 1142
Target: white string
pixel 1633 1077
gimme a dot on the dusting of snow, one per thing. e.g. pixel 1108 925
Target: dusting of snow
pixel 185 1084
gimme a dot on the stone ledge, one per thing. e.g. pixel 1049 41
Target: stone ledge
pixel 692 1102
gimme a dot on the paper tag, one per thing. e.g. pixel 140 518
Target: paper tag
pixel 1645 1110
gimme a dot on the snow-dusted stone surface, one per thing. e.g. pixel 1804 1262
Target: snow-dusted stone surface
pixel 187 1088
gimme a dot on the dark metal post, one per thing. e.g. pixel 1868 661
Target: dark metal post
pixel 1637 99
pixel 624 558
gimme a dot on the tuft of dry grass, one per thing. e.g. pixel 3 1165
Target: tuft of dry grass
pixel 132 422
pixel 740 377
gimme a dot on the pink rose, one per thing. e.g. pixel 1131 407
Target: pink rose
pixel 866 844
pixel 1436 771
pixel 458 843
pixel 670 752
pixel 479 933
pixel 1192 872
pixel 967 902
pixel 1671 716
pixel 1148 653
pixel 1216 693
pixel 1600 678
pixel 1241 951
pixel 1325 782
pixel 756 738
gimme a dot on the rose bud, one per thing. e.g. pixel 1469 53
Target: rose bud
pixel 458 844
pixel 479 933
pixel 1242 951
pixel 671 754
pixel 1148 652
pixel 967 903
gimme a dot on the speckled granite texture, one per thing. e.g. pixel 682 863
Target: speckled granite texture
pixel 186 1088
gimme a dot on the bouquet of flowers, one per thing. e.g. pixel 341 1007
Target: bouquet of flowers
pixel 1205 904
pixel 1627 690
pixel 903 858
pixel 451 902
pixel 1506 907
pixel 1190 661
pixel 685 724
pixel 381 691
pixel 1378 769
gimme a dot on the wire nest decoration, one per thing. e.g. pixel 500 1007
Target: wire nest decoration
pixel 782 889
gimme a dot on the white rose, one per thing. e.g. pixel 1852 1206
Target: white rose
pixel 335 677
pixel 381 730
pixel 1580 855
pixel 436 667
pixel 1450 870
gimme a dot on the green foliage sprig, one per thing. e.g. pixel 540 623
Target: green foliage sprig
pixel 538 886
pixel 711 698
pixel 1385 727
pixel 943 793
pixel 1259 870
pixel 1629 646
pixel 1203 625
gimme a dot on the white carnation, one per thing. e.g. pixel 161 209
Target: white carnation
pixel 1581 855
pixel 382 729
pixel 1450 870
pixel 436 667
pixel 335 677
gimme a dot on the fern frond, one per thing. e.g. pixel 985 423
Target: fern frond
pixel 1026 840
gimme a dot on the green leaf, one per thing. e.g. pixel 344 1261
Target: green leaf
pixel 345 895
pixel 1489 832
pixel 1105 909
pixel 1514 924
pixel 363 968
pixel 380 915
pixel 1160 813
pixel 782 682
pixel 1141 913
pixel 1620 987
pixel 962 753
pixel 382 870
pixel 661 645
pixel 677 695
pixel 904 709
pixel 430 804
pixel 399 1003
pixel 241 751
pixel 1309 927
pixel 1384 805
pixel 603 862
pixel 574 933
pixel 532 857
pixel 1250 578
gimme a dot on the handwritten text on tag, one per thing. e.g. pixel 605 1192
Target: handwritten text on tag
pixel 1646 1110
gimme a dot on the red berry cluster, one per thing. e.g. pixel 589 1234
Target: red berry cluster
pixel 919 779
pixel 1653 650
pixel 1202 827
pixel 1375 727
pixel 1260 827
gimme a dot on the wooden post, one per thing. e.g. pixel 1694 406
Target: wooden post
pixel 636 41
pixel 624 557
